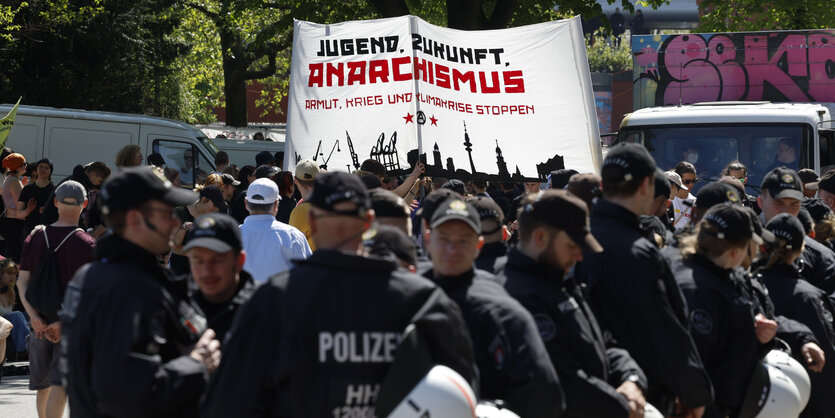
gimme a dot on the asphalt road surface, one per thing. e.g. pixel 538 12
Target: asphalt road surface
pixel 16 400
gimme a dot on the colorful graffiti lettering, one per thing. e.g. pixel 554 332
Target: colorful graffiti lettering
pixel 796 66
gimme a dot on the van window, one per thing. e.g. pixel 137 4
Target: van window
pixel 193 167
pixel 827 144
pixel 761 147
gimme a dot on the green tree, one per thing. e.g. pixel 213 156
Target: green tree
pixel 758 15
pixel 252 41
pixel 605 54
pixel 497 14
pixel 252 38
pixel 91 54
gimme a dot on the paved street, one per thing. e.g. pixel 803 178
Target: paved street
pixel 16 400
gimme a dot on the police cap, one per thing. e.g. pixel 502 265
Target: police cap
pixel 335 187
pixel 385 239
pixel 215 231
pixel 715 193
pixel 783 182
pixel 561 209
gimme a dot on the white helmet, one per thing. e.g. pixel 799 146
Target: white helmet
pixel 794 370
pixel 652 412
pixel 441 393
pixel 487 409
pixel 771 394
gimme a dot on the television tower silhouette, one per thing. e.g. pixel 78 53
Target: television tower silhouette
pixel 469 147
pixel 500 162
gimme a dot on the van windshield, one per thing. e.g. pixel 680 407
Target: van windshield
pixel 760 147
pixel 210 145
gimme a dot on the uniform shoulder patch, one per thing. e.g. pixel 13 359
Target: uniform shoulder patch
pixel 701 321
pixel 547 329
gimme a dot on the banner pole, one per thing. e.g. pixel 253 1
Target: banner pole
pixel 413 29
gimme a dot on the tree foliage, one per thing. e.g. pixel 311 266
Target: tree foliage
pixel 606 54
pixel 497 14
pixel 252 40
pixel 95 54
pixel 758 15
pixel 183 58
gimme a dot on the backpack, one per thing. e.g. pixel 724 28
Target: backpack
pixel 44 291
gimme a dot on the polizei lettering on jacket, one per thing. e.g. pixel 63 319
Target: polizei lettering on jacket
pixel 357 347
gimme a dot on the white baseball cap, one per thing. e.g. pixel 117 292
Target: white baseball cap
pixel 262 191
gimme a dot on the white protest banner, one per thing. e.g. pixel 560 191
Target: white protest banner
pixel 503 104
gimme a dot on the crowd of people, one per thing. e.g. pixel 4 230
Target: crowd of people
pixel 314 293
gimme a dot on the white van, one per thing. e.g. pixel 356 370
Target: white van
pixel 750 132
pixel 242 151
pixel 238 143
pixel 70 137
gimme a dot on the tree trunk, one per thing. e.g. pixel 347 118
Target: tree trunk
pixel 234 79
pixel 234 90
pixel 465 14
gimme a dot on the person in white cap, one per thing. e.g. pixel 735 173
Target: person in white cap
pixel 270 245
pixel 683 201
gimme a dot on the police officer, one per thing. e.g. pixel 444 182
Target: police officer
pixel 655 223
pixel 133 344
pixel 782 192
pixel 424 214
pixel 219 284
pixel 731 335
pixel 387 240
pixel 493 254
pixel 799 337
pixel 599 381
pixel 630 280
pixel 796 298
pixel 318 340
pixel 509 353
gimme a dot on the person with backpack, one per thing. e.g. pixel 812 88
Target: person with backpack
pixel 51 256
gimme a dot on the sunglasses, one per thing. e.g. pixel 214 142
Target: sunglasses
pixel 690 181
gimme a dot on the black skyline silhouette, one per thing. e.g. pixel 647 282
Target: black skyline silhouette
pixel 386 154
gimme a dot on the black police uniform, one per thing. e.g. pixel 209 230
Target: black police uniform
pixel 492 257
pixel 589 370
pixel 511 358
pixel 796 298
pixel 792 332
pixel 818 265
pixel 219 316
pixel 317 341
pixel 635 297
pixel 127 328
pixel 722 325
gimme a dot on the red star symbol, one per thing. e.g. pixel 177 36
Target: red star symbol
pixel 433 120
pixel 409 117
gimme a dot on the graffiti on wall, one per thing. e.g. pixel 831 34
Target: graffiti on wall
pixel 796 66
